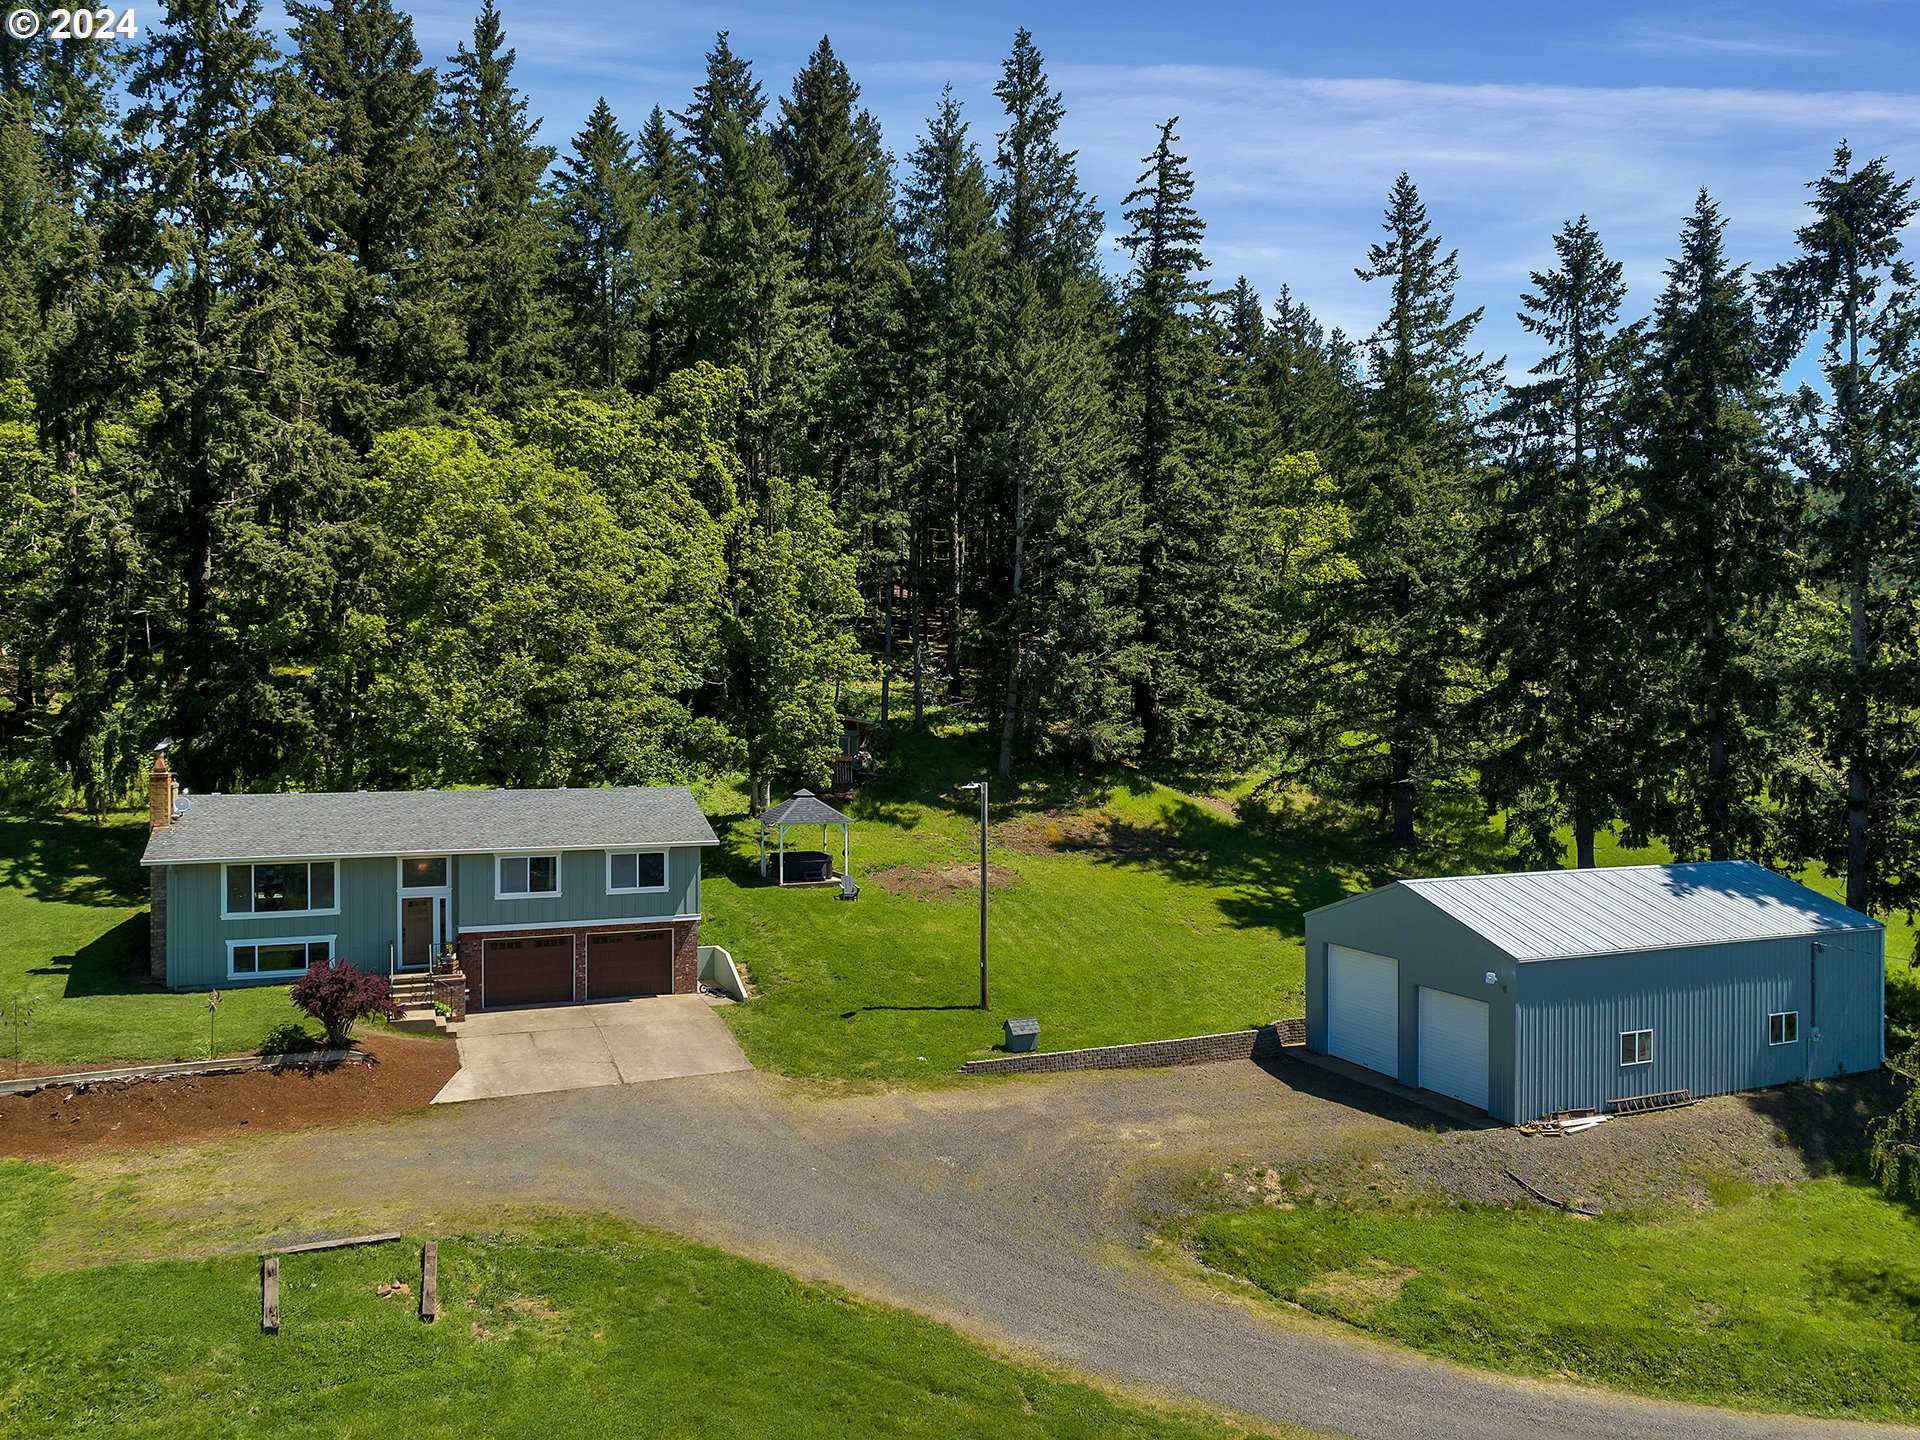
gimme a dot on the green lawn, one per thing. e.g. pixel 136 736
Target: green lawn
pixel 1161 914
pixel 1189 924
pixel 565 1327
pixel 73 908
pixel 1804 1299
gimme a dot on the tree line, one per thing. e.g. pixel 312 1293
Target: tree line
pixel 350 435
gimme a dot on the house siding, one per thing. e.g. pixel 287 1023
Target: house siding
pixel 197 937
pixel 1708 1007
pixel 583 897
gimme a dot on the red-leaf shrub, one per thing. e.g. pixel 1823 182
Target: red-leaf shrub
pixel 338 995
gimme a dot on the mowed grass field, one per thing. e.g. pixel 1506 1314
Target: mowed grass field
pixel 577 1327
pixel 73 911
pixel 1805 1299
pixel 1118 911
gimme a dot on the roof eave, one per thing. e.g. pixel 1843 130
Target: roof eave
pixel 395 854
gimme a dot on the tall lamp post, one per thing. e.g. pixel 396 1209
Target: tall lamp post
pixel 981 786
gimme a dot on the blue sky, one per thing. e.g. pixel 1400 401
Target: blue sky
pixel 1512 118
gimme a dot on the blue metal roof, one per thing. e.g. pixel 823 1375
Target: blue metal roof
pixel 1557 914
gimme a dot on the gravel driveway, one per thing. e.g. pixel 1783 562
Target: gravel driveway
pixel 1015 1210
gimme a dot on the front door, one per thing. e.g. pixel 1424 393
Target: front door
pixel 418 914
pixel 426 897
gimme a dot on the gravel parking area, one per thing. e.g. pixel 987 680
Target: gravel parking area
pixel 1771 1137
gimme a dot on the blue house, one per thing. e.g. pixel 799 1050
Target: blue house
pixel 543 896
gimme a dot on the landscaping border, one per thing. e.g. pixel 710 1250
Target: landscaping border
pixel 1261 1043
pixel 295 1060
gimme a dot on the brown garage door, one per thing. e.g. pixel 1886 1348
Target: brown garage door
pixel 630 964
pixel 536 971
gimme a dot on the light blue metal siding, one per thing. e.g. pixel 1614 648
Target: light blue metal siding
pixel 583 897
pixel 1434 950
pixel 1707 1006
pixel 197 937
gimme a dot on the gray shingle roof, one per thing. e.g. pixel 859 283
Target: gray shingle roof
pixel 1558 914
pixel 804 808
pixel 427 822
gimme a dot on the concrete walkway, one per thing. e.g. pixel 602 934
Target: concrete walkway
pixel 577 1047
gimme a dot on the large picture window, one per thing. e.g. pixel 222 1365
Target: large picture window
pixel 276 957
pixel 629 871
pixel 520 877
pixel 286 887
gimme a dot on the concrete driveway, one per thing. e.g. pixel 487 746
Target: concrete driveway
pixel 575 1047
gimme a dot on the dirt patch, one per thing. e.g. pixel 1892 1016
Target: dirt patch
pixel 1084 834
pixel 405 1073
pixel 1359 1291
pixel 946 882
pixel 1697 1155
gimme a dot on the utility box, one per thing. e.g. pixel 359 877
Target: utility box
pixel 1023 1033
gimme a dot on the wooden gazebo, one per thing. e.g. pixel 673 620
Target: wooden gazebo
pixel 811 866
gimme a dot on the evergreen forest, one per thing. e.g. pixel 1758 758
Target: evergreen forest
pixel 357 433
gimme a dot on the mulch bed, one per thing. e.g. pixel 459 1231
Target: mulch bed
pixel 405 1074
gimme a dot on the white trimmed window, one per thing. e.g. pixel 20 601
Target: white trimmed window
pixel 634 871
pixel 285 887
pixel 1636 1047
pixel 522 877
pixel 1783 1027
pixel 254 958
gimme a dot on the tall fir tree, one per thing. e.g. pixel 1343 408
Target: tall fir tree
pixel 1170 391
pixel 241 479
pixel 1709 532
pixel 729 96
pixel 600 278
pixel 376 197
pixel 78 313
pixel 1061 593
pixel 663 244
pixel 1858 446
pixel 742 305
pixel 953 250
pixel 1414 498
pixel 853 277
pixel 1555 637
pixel 503 238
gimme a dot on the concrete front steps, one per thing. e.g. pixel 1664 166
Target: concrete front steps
pixel 414 995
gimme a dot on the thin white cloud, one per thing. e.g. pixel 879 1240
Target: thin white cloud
pixel 1724 40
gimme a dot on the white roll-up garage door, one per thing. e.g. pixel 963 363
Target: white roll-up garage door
pixel 1363 1008
pixel 1453 1046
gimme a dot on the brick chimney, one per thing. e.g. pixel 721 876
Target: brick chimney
pixel 160 793
pixel 160 796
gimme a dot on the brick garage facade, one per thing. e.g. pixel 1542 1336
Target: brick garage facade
pixel 686 951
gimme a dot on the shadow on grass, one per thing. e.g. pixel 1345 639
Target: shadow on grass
pixel 103 966
pixel 864 1009
pixel 71 861
pixel 1277 862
